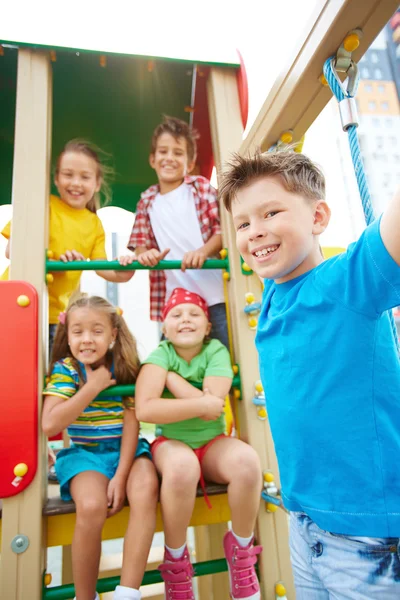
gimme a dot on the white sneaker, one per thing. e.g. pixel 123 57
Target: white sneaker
pixel 97 597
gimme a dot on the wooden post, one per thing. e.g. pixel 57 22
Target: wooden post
pixel 272 530
pixel 21 574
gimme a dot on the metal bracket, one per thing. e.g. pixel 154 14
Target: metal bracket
pixel 19 543
pixel 343 58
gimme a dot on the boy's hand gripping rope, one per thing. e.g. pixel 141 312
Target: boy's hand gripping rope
pixel 349 117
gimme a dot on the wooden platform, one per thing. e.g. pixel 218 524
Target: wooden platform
pixel 60 520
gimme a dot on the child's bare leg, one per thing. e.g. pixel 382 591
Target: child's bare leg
pixel 142 491
pixel 235 463
pixel 89 492
pixel 180 472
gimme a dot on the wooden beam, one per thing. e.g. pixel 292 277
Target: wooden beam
pixel 298 97
pixel 21 574
pixel 272 529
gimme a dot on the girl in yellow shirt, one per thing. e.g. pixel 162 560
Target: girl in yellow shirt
pixel 75 230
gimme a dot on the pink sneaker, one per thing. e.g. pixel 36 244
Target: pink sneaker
pixel 177 574
pixel 242 575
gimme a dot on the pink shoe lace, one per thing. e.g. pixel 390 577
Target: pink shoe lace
pixel 177 575
pixel 241 561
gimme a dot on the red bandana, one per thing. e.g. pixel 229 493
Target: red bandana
pixel 181 296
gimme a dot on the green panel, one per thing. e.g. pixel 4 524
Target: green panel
pixel 116 107
pixel 8 85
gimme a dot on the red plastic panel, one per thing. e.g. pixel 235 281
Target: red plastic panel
pixel 18 386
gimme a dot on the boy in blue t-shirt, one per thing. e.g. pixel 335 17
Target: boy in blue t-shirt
pixel 331 375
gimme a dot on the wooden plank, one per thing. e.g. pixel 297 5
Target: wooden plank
pixel 227 135
pixel 21 576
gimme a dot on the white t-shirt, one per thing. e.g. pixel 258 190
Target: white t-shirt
pixel 175 225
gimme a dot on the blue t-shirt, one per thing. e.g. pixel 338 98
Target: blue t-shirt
pixel 331 376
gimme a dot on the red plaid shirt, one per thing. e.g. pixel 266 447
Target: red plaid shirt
pixel 205 197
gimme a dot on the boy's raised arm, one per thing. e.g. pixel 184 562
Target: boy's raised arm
pixel 390 228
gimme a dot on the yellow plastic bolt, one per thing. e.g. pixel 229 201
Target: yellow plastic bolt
pixel 259 387
pixel 20 469
pixel 287 137
pixel 269 477
pixel 323 80
pixel 48 579
pixel 50 254
pixel 262 413
pixel 252 322
pixel 223 253
pixel 280 590
pixel 49 278
pixel 351 42
pixel 236 393
pixel 226 276
pixel 246 267
pixel 249 297
pixel 235 369
pixel 103 60
pixel 23 301
pixel 53 56
pixel 271 507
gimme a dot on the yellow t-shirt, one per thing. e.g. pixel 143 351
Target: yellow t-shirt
pixel 70 229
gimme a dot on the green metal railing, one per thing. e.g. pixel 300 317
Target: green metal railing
pixel 113 265
pixel 129 390
pixel 108 584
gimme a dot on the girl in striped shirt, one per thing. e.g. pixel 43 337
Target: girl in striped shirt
pixel 93 349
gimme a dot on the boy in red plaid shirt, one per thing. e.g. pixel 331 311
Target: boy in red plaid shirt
pixel 179 216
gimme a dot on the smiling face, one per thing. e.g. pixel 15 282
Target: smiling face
pixel 77 179
pixel 90 334
pixel 170 161
pixel 186 326
pixel 276 230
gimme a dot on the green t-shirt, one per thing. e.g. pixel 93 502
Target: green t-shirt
pixel 213 361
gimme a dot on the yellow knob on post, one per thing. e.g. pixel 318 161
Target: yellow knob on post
pixel 50 254
pixel 20 470
pixel 258 386
pixel 269 477
pixel 271 507
pixel 48 579
pixel 351 42
pixel 49 278
pixel 252 322
pixel 280 590
pixel 223 253
pixel 323 80
pixel 23 301
pixel 246 267
pixel 236 393
pixel 287 137
pixel 262 413
pixel 226 276
pixel 235 369
pixel 249 296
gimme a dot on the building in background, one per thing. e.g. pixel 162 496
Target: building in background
pixel 379 112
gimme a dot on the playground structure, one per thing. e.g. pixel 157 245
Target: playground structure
pixel 215 99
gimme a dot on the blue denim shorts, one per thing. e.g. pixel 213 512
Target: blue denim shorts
pixel 328 566
pixel 103 458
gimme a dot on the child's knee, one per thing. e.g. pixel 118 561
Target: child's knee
pixel 183 474
pixel 91 511
pixel 143 485
pixel 248 468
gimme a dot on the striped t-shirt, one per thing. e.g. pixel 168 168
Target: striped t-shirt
pixel 101 421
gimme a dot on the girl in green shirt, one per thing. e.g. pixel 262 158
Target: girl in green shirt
pixel 191 444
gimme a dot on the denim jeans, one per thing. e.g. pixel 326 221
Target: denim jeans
pixel 219 329
pixel 329 566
